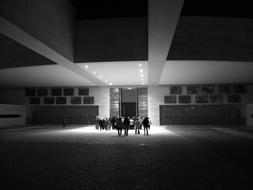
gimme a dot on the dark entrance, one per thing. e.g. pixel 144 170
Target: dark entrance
pixel 128 109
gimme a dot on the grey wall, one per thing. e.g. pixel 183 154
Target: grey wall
pixel 116 39
pixel 156 98
pixel 129 95
pixel 50 21
pixel 17 96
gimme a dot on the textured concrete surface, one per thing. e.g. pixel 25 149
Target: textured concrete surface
pixel 78 157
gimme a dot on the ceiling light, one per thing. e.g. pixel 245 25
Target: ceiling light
pixel 141 75
pixel 140 65
pixel 100 76
pixel 94 72
pixel 141 71
pixel 110 83
pixel 86 66
pixel 142 82
pixel 129 88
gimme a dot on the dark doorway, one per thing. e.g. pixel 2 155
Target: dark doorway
pixel 128 109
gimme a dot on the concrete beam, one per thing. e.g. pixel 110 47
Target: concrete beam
pixel 163 19
pixel 12 31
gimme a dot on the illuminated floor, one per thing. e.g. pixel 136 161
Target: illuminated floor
pixel 81 157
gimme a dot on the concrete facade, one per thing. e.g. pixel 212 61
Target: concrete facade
pixel 19 111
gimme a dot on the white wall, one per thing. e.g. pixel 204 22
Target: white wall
pixel 155 98
pixel 102 99
pixel 12 109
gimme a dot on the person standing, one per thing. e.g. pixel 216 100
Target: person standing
pixel 137 124
pixel 64 123
pixel 146 125
pixel 119 126
pixel 126 125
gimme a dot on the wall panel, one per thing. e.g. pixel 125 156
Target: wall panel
pixel 200 115
pixel 56 114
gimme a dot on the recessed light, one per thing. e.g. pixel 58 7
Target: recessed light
pixel 140 65
pixel 142 82
pixel 141 75
pixel 94 72
pixel 110 83
pixel 86 66
pixel 141 71
pixel 129 88
pixel 100 76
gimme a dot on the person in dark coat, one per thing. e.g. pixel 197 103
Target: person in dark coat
pixel 101 124
pixel 64 123
pixel 146 125
pixel 119 126
pixel 126 125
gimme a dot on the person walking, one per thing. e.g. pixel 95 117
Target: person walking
pixel 126 125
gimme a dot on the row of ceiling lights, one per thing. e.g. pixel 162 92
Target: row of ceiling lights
pixel 106 81
pixel 141 74
pixel 100 76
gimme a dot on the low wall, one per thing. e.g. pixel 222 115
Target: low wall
pixel 12 115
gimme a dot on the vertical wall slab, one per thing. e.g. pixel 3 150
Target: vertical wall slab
pixel 249 110
pixel 142 98
pixel 115 101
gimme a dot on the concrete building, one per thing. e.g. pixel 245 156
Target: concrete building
pixel 179 62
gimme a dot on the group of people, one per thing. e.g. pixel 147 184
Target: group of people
pixel 124 123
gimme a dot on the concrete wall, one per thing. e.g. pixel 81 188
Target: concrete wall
pixel 250 115
pixel 128 95
pixel 12 110
pixel 156 98
pixel 116 39
pixel 50 21
pixel 102 99
pixel 17 96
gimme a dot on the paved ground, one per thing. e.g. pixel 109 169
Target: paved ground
pixel 172 157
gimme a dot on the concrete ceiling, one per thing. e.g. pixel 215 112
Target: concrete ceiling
pixel 185 45
pixel 119 73
pixel 206 72
pixel 41 76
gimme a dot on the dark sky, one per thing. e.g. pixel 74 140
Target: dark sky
pixel 96 9
pixel 218 8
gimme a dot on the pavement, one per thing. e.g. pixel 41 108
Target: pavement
pixel 81 157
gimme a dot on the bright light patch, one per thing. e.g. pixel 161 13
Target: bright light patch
pixel 155 130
